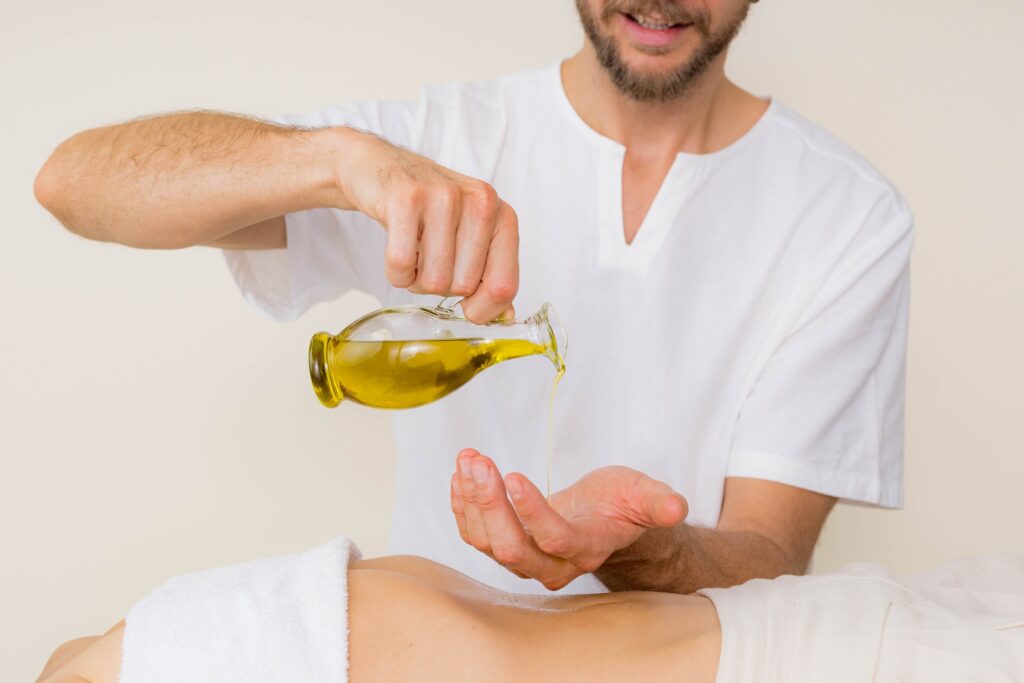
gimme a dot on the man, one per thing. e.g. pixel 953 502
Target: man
pixel 733 279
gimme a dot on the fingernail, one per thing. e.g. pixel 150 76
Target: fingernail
pixel 464 466
pixel 480 472
pixel 515 488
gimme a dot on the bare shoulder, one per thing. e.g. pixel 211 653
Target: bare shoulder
pixel 92 659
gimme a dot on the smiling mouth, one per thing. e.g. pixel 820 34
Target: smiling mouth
pixel 652 23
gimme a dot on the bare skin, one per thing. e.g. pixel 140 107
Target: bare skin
pixel 414 620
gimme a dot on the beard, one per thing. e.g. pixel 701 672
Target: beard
pixel 659 87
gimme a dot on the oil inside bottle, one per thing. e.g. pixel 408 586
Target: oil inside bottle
pixel 411 373
pixel 403 374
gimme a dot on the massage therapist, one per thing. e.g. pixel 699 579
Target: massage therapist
pixel 734 281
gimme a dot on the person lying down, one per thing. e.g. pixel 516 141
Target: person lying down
pixel 328 616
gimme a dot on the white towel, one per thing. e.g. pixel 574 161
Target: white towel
pixel 275 620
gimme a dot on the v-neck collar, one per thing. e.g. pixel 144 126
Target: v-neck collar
pixel 680 184
pixel 684 179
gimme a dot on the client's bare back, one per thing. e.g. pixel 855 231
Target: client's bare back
pixel 412 620
pixel 415 620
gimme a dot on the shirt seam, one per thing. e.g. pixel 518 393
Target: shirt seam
pixel 846 160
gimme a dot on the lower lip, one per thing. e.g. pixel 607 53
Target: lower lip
pixel 652 37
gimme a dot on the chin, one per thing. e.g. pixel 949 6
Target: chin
pixel 643 62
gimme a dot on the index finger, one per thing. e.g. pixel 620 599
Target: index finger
pixel 510 544
pixel 500 280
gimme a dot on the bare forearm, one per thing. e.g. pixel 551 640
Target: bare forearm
pixel 685 558
pixel 184 179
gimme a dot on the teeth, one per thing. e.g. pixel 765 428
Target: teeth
pixel 647 22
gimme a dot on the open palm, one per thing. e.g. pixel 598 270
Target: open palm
pixel 573 534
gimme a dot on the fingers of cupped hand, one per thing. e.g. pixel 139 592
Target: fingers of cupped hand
pixel 492 522
pixel 488 522
pixel 441 228
pixel 550 531
pixel 459 509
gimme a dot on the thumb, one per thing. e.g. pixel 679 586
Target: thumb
pixel 659 505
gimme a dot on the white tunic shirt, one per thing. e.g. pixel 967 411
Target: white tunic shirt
pixel 756 326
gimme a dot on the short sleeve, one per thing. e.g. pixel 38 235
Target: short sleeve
pixel 826 412
pixel 329 252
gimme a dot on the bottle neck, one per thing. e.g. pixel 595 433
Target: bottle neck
pixel 543 333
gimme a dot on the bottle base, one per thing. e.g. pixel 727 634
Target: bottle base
pixel 320 371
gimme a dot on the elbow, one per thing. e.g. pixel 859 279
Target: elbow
pixel 48 186
pixel 51 189
pixel 60 193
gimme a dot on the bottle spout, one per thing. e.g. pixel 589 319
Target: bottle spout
pixel 553 337
pixel 320 373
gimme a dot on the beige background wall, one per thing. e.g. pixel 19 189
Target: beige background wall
pixel 151 423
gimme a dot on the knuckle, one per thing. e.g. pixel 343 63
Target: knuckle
pixel 446 197
pixel 462 287
pixel 507 554
pixel 553 545
pixel 502 289
pixel 509 215
pixel 407 192
pixel 485 198
pixel 397 280
pixel 401 259
pixel 399 255
pixel 486 501
pixel 436 282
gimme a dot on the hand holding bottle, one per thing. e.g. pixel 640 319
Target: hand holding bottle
pixel 448 234
pixel 228 181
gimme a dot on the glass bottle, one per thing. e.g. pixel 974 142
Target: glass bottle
pixel 407 356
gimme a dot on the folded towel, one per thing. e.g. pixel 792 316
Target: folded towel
pixel 275 620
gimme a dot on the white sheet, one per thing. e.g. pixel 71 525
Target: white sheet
pixel 963 621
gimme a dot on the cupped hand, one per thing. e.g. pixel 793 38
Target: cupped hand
pixel 448 234
pixel 555 542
